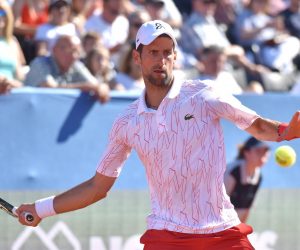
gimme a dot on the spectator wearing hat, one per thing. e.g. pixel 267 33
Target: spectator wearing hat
pixel 58 24
pixel 244 177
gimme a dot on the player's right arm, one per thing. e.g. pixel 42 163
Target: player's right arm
pixel 78 197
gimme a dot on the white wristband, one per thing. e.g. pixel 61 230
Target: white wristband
pixel 44 207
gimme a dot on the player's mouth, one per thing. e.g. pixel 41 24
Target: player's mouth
pixel 159 71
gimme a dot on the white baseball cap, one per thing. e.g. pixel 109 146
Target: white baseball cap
pixel 149 31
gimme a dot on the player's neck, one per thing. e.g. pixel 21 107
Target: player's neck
pixel 154 98
pixel 154 95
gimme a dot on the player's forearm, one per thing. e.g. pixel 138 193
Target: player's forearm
pixel 264 129
pixel 78 197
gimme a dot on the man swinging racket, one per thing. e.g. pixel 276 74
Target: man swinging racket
pixel 175 128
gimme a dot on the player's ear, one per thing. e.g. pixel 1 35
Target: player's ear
pixel 136 57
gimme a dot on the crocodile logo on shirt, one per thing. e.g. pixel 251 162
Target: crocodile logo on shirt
pixel 188 117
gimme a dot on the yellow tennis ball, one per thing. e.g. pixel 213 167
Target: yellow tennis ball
pixel 285 156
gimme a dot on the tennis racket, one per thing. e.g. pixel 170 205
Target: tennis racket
pixel 11 210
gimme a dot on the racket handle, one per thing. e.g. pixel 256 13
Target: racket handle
pixel 28 216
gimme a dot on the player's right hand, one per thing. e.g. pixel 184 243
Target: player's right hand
pixel 25 209
pixel 293 129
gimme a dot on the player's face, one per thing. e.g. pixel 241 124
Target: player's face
pixel 157 62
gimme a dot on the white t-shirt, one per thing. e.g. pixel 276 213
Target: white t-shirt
pixel 225 82
pixel 130 83
pixel 49 32
pixel 111 34
pixel 181 146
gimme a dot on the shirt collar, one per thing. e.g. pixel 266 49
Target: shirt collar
pixel 173 92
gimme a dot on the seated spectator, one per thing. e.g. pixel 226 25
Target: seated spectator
pixel 111 26
pixel 79 13
pixel 90 40
pixel 29 14
pixel 130 74
pixel 165 10
pixel 291 18
pixel 276 49
pixel 63 69
pixel 136 19
pixel 213 61
pixel 58 24
pixel 11 56
pixel 200 30
pixel 99 64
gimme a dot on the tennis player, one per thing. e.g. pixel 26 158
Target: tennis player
pixel 175 128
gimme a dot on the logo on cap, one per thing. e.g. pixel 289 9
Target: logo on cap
pixel 159 26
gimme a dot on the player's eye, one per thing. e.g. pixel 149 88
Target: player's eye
pixel 153 52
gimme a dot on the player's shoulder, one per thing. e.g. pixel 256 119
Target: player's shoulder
pixel 197 85
pixel 129 112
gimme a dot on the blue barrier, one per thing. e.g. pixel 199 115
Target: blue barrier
pixel 53 138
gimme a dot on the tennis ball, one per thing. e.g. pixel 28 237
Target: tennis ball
pixel 285 156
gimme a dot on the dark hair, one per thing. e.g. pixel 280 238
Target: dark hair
pixel 250 143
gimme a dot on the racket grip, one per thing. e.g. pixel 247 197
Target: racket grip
pixel 28 216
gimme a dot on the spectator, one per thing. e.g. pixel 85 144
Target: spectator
pixel 90 40
pixel 165 10
pixel 130 74
pixel 11 58
pixel 243 177
pixel 276 48
pixel 213 61
pixel 99 64
pixel 136 19
pixel 291 18
pixel 201 30
pixel 29 14
pixel 111 25
pixel 79 13
pixel 185 7
pixel 63 69
pixel 58 24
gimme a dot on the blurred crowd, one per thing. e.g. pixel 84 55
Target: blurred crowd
pixel 243 45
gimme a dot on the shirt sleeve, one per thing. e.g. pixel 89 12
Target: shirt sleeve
pixel 224 105
pixel 82 74
pixel 117 151
pixel 39 72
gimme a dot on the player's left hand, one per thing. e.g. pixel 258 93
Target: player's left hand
pixel 25 209
pixel 293 129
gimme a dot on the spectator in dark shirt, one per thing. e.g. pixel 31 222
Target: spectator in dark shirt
pixel 291 18
pixel 243 178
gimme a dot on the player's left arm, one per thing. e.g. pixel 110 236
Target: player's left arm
pixel 271 130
